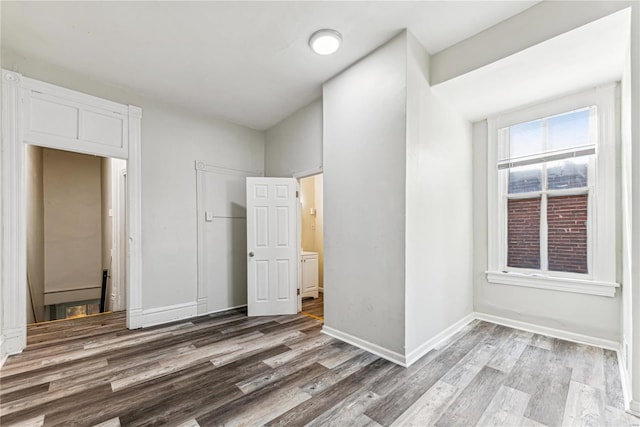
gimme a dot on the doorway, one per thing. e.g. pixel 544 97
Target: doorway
pixel 312 246
pixel 42 114
pixel 75 227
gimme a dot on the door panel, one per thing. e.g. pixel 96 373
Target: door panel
pixel 226 270
pixel 271 246
pixel 310 276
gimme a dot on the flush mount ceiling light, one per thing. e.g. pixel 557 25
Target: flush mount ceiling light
pixel 325 42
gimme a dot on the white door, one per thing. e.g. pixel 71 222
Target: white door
pixel 272 267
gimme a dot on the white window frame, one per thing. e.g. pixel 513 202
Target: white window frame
pixel 601 231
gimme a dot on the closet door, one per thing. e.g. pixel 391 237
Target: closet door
pixel 222 238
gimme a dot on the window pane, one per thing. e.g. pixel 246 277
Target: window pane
pixel 569 130
pixel 525 139
pixel 523 233
pixel 567 235
pixel 568 173
pixel 523 179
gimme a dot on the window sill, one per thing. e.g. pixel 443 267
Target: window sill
pixel 580 286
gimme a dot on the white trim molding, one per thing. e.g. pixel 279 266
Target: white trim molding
pixel 4 356
pixel 390 355
pixel 17 91
pixel 134 318
pixel 96 127
pixel 415 355
pixel 171 313
pixel 14 240
pixel 395 357
pixel 432 343
pixel 624 376
pixel 550 332
pixel 308 172
pixel 601 247
pixel 634 408
pixel 134 216
pixel 581 286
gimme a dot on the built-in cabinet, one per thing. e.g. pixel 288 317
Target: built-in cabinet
pixel 309 267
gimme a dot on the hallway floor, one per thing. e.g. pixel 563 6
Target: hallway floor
pixel 314 307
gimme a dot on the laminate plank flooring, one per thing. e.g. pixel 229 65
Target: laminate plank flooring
pixel 228 369
pixel 314 307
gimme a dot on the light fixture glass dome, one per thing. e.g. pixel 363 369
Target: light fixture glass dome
pixel 325 42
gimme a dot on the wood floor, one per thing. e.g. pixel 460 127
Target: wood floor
pixel 233 370
pixel 314 307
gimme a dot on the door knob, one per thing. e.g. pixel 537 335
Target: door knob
pixel 251 254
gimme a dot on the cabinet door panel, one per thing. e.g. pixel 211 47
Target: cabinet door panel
pixel 310 276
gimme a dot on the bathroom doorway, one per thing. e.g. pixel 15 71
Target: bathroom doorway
pixel 312 246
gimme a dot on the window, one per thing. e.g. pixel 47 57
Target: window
pixel 545 164
pixel 552 195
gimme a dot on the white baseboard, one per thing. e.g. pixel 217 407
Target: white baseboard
pixel 202 305
pixel 134 318
pixel 432 343
pixel 395 357
pixel 160 315
pixel 409 359
pixel 140 318
pixel 634 408
pixel 551 332
pixel 12 341
pixel 387 354
pixel 3 352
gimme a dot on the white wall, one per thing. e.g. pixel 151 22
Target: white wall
pixel 364 197
pixel 172 139
pixel 439 208
pixel 295 144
